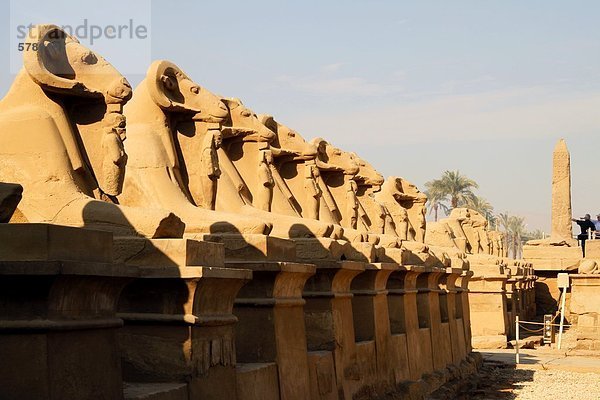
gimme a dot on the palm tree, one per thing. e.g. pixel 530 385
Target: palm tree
pixel 482 206
pixel 514 227
pixel 436 199
pixel 452 187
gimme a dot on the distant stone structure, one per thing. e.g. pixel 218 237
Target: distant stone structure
pixel 559 252
pixel 500 289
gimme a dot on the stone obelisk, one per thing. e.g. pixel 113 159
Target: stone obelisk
pixel 562 229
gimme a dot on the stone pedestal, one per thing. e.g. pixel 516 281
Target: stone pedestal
pixel 454 316
pixel 432 317
pixel 163 253
pixel 330 325
pixel 58 294
pixel 249 247
pixel 321 249
pixel 553 258
pixel 372 325
pixel 398 320
pixel 179 327
pixel 489 311
pixel 418 332
pixel 512 304
pixel 585 310
pixel 271 324
pixel 463 294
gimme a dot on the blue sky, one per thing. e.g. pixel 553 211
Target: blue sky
pixel 414 87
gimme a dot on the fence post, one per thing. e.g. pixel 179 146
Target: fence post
pixel 517 339
pixel 563 282
pixel 562 316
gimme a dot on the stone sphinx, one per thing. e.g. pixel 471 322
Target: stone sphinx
pixel 372 216
pixel 463 216
pixel 470 229
pixel 293 157
pixel 339 204
pixel 406 205
pixel 439 234
pixel 297 175
pixel 497 240
pixel 250 183
pixel 173 136
pixel 61 133
pixel 480 226
pixel 465 233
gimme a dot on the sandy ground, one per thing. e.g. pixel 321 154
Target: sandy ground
pixel 497 380
pixel 544 375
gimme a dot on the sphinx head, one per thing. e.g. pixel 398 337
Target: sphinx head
pixel 463 215
pixel 335 159
pixel 367 175
pixel 63 67
pixel 477 219
pixel 287 141
pixel 175 93
pixel 243 122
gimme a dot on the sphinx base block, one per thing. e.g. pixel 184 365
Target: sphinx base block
pixel 361 251
pixel 552 258
pixel 251 247
pixel 46 242
pixel 312 249
pixel 168 252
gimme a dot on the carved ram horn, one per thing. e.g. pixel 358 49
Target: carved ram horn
pixel 45 46
pixel 163 85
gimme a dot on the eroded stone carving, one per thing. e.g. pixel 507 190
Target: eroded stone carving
pixel 251 184
pixel 67 100
pixel 337 170
pixel 173 129
pixel 406 205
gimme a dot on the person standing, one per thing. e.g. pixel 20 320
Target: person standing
pixel 585 224
pixel 597 223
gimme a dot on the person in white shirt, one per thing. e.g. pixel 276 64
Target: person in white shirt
pixel 597 225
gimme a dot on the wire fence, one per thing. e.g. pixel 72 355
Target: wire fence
pixel 520 325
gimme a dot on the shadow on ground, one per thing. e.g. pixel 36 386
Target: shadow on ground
pixel 494 381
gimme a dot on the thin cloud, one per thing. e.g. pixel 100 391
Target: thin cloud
pixel 332 67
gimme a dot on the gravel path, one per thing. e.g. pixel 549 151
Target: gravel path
pixel 559 384
pixel 497 380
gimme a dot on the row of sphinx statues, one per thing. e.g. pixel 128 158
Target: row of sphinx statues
pixel 170 158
